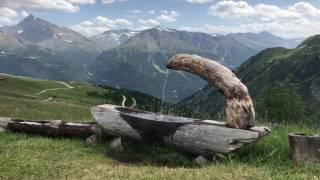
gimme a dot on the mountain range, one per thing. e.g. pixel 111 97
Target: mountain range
pixel 124 58
pixel 299 66
pixel 140 62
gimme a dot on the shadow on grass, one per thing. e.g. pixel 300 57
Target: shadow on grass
pixel 271 152
pixel 152 155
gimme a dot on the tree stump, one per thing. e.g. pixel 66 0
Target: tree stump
pixel 304 148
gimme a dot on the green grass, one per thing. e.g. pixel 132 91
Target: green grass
pixel 34 157
pixel 19 99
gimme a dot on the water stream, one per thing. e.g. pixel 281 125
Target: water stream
pixel 163 94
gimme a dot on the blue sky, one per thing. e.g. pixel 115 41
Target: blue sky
pixel 286 18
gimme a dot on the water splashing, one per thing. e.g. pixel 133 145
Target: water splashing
pixel 164 87
pixel 163 94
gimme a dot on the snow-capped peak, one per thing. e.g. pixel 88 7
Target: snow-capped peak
pixel 160 28
pixel 115 36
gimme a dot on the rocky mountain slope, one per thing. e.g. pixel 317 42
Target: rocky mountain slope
pixel 124 58
pixel 139 63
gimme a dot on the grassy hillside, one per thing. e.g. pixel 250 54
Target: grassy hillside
pixel 29 98
pixel 35 157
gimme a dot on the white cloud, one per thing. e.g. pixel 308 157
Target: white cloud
pixel 199 1
pixel 305 9
pixel 151 11
pixel 149 22
pixel 82 1
pixel 100 24
pixel 7 16
pixel 231 9
pixel 7 12
pixel 103 21
pixel 24 14
pixel 168 16
pixel 141 28
pixel 212 29
pixel 299 19
pixel 107 1
pixel 136 11
pixel 41 5
pixel 112 1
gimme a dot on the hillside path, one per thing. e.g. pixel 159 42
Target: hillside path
pixel 55 89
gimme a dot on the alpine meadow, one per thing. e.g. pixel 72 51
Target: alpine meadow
pixel 171 89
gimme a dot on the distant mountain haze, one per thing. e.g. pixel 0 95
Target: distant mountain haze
pixel 140 62
pixel 122 58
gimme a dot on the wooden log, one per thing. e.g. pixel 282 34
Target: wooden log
pixel 238 104
pixel 198 137
pixel 3 77
pixel 55 128
pixel 304 148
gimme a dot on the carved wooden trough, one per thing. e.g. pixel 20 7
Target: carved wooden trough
pixel 199 137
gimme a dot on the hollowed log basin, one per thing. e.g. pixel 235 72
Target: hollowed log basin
pixel 304 148
pixel 198 137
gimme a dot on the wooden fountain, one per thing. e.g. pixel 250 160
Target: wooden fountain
pixel 195 136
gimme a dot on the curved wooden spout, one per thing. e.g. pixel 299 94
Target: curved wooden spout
pixel 239 108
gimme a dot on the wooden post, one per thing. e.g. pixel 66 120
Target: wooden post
pixel 238 104
pixel 304 148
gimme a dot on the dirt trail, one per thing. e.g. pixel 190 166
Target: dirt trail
pixel 47 100
pixel 55 89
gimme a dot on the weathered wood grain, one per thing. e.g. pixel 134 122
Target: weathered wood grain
pixel 3 77
pixel 56 128
pixel 238 104
pixel 304 148
pixel 199 137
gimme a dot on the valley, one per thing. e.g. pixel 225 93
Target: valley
pixel 170 89
pixel 123 58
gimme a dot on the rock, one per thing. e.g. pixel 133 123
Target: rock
pixel 201 161
pixel 92 140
